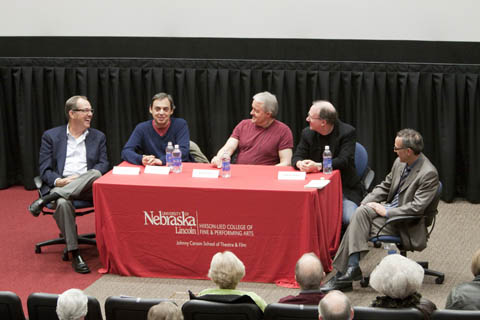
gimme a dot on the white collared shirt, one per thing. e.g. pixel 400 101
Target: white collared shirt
pixel 76 158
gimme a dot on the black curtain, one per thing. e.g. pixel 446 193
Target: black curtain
pixel 440 101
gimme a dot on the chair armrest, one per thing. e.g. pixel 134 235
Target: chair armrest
pixel 396 220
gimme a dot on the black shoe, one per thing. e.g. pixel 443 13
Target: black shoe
pixel 334 284
pixel 353 273
pixel 79 265
pixel 36 207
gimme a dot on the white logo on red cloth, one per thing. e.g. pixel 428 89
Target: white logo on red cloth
pixel 176 219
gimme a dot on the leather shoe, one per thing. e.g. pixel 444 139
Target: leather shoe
pixel 36 207
pixel 353 273
pixel 334 284
pixel 79 265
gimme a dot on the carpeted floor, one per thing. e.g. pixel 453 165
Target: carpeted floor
pixel 450 248
pixel 23 271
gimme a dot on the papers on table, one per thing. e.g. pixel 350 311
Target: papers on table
pixel 319 184
pixel 291 175
pixel 126 170
pixel 204 173
pixel 157 170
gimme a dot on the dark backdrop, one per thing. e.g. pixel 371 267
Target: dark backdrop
pixel 378 98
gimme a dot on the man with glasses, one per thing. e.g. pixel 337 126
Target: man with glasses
pixel 325 129
pixel 72 157
pixel 408 189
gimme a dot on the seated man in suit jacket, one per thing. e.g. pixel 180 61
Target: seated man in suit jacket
pixel 71 158
pixel 408 189
pixel 326 129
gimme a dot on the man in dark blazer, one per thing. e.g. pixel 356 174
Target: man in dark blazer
pixel 71 158
pixel 409 189
pixel 327 130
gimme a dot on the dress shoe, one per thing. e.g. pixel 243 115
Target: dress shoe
pixel 79 265
pixel 334 284
pixel 36 207
pixel 353 273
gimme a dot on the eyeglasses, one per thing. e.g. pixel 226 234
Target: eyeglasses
pixel 312 118
pixel 84 110
pixel 398 149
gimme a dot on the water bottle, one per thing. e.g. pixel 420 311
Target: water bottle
pixel 226 173
pixel 390 247
pixel 177 159
pixel 168 155
pixel 327 160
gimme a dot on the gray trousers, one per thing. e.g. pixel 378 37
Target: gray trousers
pixel 364 224
pixel 81 189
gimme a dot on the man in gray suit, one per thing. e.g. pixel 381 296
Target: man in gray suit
pixel 409 189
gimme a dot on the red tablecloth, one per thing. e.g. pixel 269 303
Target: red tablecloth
pixel 171 225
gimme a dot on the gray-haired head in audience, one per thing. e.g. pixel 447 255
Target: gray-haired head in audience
pixel 397 277
pixel 72 305
pixel 309 272
pixel 335 306
pixel 226 270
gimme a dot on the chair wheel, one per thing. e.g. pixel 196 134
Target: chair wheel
pixel 38 249
pixel 364 282
pixel 65 255
pixel 440 280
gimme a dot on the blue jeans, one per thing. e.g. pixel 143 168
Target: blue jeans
pixel 349 208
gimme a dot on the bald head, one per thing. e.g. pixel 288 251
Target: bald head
pixel 335 306
pixel 309 272
pixel 325 110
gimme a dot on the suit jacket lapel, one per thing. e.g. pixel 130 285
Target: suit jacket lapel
pixel 88 146
pixel 413 173
pixel 62 150
pixel 396 180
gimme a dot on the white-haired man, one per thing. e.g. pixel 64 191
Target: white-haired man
pixel 261 139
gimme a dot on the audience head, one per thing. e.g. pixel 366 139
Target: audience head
pixel 411 139
pixel 226 270
pixel 476 263
pixel 309 272
pixel 397 277
pixel 335 306
pixel 72 305
pixel 165 310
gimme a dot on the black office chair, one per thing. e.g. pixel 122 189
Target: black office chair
pixel 456 314
pixel 10 306
pixel 43 306
pixel 283 311
pixel 125 308
pixel 368 313
pixel 364 172
pixel 209 310
pixel 81 208
pixel 429 216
